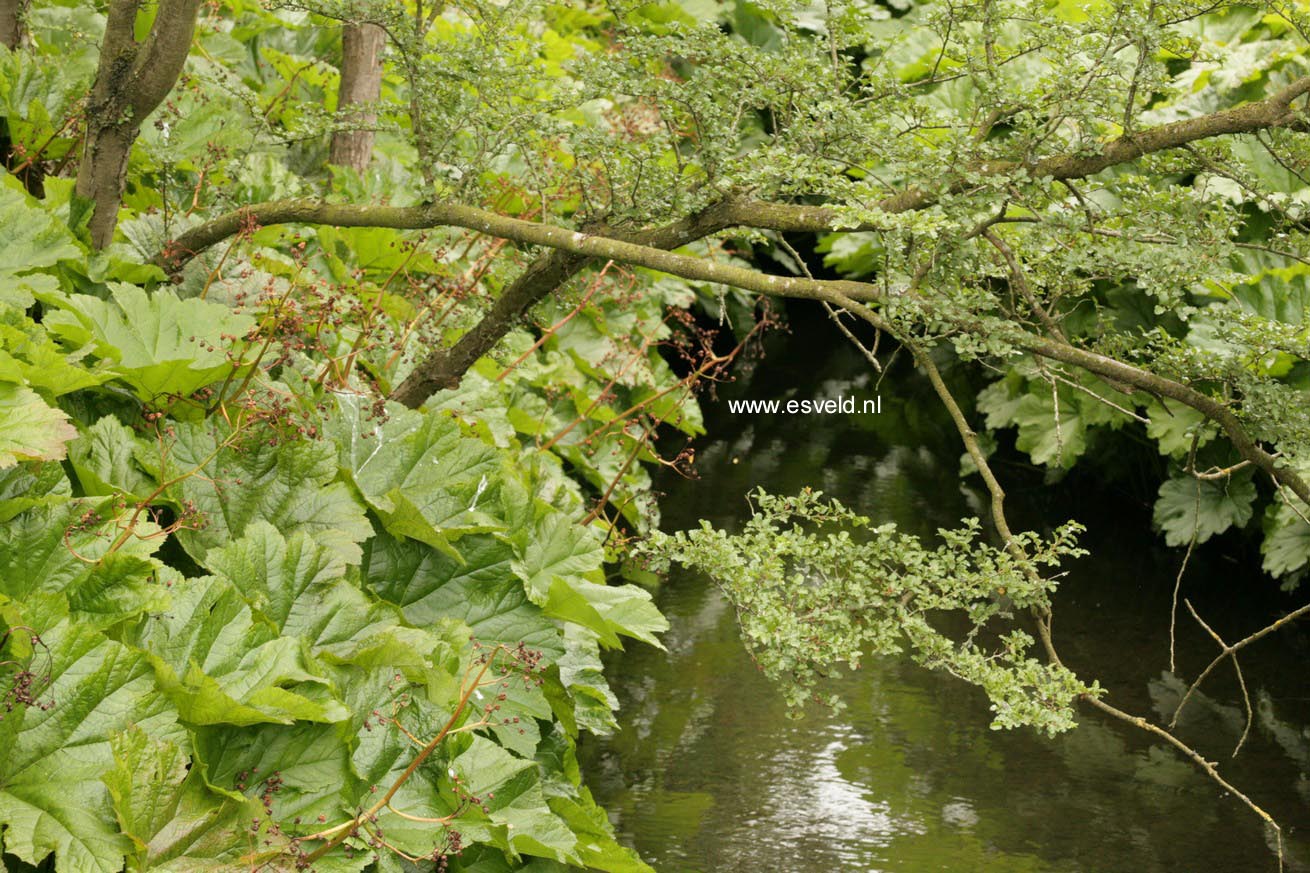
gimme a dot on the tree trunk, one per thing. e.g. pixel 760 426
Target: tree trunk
pixel 11 22
pixel 361 85
pixel 132 79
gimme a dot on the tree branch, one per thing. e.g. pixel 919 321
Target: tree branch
pixel 1118 371
pixel 572 249
pixel 132 79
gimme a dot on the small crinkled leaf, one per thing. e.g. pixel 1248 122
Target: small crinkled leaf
pixel 31 429
pixel 51 795
pixel 288 485
pixel 1188 506
pixel 116 588
pixel 161 345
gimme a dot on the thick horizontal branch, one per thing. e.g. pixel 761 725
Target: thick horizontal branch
pixel 1274 111
pixel 590 245
pixel 572 249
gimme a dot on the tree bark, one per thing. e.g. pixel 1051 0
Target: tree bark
pixel 444 368
pixel 361 85
pixel 132 79
pixel 12 30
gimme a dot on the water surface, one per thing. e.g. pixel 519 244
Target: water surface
pixel 709 774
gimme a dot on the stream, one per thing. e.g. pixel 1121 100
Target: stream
pixel 709 774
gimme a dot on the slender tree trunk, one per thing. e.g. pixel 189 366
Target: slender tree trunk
pixel 11 22
pixel 361 85
pixel 132 79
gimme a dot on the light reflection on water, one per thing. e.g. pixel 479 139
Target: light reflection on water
pixel 709 773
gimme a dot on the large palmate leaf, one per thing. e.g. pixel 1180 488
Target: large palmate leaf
pixel 220 666
pixel 560 565
pixel 175 822
pixel 1176 428
pixel 104 459
pixel 479 590
pixel 51 796
pixel 1286 546
pixel 288 485
pixel 162 346
pixel 424 478
pixel 275 571
pixel 515 800
pixel 311 760
pixel 596 842
pixel 32 484
pixel 30 357
pixel 1190 507
pixel 53 552
pixel 30 239
pixel 30 429
pixel 298 586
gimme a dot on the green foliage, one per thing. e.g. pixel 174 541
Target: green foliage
pixel 1194 508
pixel 252 585
pixel 226 555
pixel 817 586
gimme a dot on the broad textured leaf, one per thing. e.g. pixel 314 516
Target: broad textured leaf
pixel 1057 441
pixel 312 760
pixel 1286 546
pixel 274 571
pixel 52 551
pixel 174 821
pixel 104 458
pixel 31 429
pixel 423 477
pixel 30 239
pixel 288 485
pixel 515 799
pixel 51 796
pixel 160 345
pixel 428 585
pixel 37 483
pixel 596 843
pixel 29 356
pixel 556 547
pixel 1173 426
pixel 1206 507
pixel 583 674
pixel 220 666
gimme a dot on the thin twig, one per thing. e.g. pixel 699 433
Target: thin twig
pixel 1246 697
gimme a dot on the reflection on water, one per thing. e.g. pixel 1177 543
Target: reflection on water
pixel 709 774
